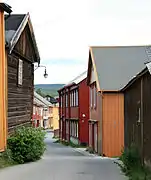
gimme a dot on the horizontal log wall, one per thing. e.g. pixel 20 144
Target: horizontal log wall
pixel 19 97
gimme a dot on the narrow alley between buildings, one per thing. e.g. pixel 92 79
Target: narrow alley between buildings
pixel 64 163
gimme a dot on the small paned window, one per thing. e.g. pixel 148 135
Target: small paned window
pixel 20 72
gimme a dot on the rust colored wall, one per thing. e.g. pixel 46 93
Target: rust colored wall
pixel 96 114
pixel 113 124
pixel 74 112
pixel 83 109
pixel 67 112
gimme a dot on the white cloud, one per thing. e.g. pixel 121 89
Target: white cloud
pixel 65 28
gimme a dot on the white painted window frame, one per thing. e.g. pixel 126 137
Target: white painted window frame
pixel 91 96
pixel 95 96
pixel 20 72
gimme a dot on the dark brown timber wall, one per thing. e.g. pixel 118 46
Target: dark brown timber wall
pixel 135 131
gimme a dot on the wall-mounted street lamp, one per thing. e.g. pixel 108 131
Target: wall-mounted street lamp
pixel 45 72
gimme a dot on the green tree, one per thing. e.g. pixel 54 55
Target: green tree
pixel 39 91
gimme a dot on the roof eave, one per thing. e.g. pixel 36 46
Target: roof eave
pixel 18 33
pixel 5 7
pixel 140 74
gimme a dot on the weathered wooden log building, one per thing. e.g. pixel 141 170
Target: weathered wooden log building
pixel 18 53
pixel 137 114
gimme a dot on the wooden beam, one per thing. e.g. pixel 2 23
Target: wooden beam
pixel 3 84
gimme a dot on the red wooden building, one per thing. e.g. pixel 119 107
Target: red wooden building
pixel 74 111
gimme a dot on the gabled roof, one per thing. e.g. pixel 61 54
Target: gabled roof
pixel 139 75
pixel 38 102
pixel 43 100
pixel 76 80
pixel 14 26
pixel 52 99
pixel 5 7
pixel 115 66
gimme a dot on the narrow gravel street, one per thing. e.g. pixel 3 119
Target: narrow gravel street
pixel 64 163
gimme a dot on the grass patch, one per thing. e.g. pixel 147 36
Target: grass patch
pixel 132 166
pixel 90 150
pixel 6 159
pixel 66 143
pixel 57 141
pixel 55 137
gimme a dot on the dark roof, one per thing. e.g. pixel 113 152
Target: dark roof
pixel 5 7
pixel 14 26
pixel 12 22
pixel 52 99
pixel 116 66
pixel 139 75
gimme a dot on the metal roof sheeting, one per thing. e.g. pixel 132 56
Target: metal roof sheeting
pixel 14 26
pixel 43 100
pixel 78 79
pixel 116 66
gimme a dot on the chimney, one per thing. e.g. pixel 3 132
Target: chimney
pixel 3 78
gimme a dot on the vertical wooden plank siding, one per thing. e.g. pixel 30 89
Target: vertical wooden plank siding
pixel 113 124
pixel 6 96
pixel 3 77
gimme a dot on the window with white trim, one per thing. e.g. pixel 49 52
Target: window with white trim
pixel 95 96
pixel 20 72
pixel 91 96
pixel 61 101
pixel 71 98
pixel 70 128
pixel 74 97
pixel 34 110
pixel 77 130
pixel 77 98
pixel 66 100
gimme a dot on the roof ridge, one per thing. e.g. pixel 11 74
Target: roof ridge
pixel 42 99
pixel 72 81
pixel 118 46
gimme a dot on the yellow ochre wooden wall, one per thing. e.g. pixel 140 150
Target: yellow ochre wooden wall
pixel 113 124
pixel 3 85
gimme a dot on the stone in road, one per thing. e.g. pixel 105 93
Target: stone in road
pixel 64 163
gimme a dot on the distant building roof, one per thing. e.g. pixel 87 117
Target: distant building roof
pixel 76 80
pixel 79 78
pixel 52 99
pixel 38 102
pixel 116 66
pixel 43 100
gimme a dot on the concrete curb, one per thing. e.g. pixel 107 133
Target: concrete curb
pixel 84 152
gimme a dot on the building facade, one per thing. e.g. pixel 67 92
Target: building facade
pixel 41 112
pixel 74 110
pixel 18 53
pixel 109 69
pixel 137 114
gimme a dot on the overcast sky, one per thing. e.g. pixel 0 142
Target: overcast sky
pixel 65 29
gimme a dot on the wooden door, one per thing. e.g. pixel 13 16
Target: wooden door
pixel 95 137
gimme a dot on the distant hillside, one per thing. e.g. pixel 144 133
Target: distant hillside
pixel 50 89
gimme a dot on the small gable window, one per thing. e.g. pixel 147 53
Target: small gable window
pixel 20 72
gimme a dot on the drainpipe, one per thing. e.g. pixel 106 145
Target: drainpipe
pixel 3 78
